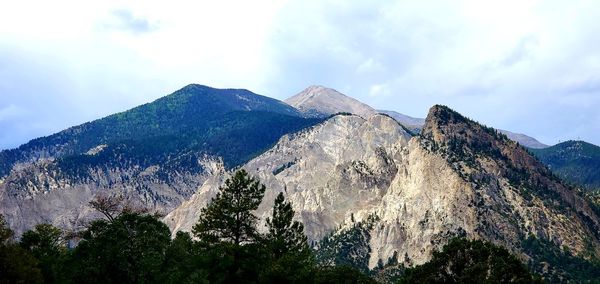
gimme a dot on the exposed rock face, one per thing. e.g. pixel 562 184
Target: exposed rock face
pixel 318 101
pixel 39 192
pixel 458 178
pixel 329 171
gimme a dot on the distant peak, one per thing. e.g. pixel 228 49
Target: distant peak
pixel 194 87
pixel 314 87
pixel 318 90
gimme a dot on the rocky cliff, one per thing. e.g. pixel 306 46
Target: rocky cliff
pixel 457 179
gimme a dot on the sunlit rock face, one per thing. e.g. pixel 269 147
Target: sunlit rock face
pixel 457 179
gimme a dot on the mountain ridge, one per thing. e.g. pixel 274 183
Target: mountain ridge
pixel 156 154
pixel 345 174
pixel 575 161
pixel 319 101
pixel 347 169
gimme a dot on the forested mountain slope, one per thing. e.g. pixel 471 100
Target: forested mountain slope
pixel 155 154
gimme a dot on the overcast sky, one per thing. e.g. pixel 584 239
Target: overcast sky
pixel 526 66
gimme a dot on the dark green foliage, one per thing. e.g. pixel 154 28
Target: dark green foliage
pixel 229 225
pixel 47 245
pixel 465 261
pixel 16 264
pixel 563 265
pixel 183 261
pixel 284 167
pixel 340 275
pixel 575 161
pixel 290 260
pixel 171 131
pixel 349 247
pixel 229 215
pixel 6 234
pixel 130 249
pixel 285 235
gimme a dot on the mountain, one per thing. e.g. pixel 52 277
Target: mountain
pixel 414 124
pixel 155 155
pixel 318 101
pixel 524 140
pixel 575 161
pixel 366 190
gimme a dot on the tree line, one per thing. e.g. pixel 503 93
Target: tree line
pixel 225 246
pixel 132 246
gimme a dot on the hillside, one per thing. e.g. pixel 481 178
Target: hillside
pixel 370 190
pixel 155 154
pixel 575 161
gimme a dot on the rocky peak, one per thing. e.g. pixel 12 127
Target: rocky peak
pixel 319 101
pixel 494 164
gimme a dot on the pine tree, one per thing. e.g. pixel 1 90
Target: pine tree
pixel 229 215
pixel 290 260
pixel 285 235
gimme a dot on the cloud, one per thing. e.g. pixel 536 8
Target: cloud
pixel 527 66
pixel 504 63
pixel 523 49
pixel 124 20
pixel 10 112
pixel 379 90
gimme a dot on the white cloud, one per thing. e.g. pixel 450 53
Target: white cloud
pixel 11 112
pixel 511 64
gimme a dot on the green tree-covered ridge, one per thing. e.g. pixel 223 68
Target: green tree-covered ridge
pixel 173 131
pixel 577 162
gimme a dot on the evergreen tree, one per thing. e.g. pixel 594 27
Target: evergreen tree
pixel 465 261
pixel 229 215
pixel 289 258
pixel 46 243
pixel 16 265
pixel 285 235
pixel 228 226
pixel 184 262
pixel 130 249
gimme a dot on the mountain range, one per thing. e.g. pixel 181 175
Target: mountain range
pixel 393 184
pixel 319 101
pixel 156 155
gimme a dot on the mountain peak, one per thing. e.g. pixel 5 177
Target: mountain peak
pixel 440 116
pixel 320 101
pixel 193 87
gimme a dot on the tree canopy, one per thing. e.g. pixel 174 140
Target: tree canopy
pixel 229 216
pixel 470 261
pixel 133 246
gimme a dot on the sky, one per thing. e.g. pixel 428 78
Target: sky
pixel 526 66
